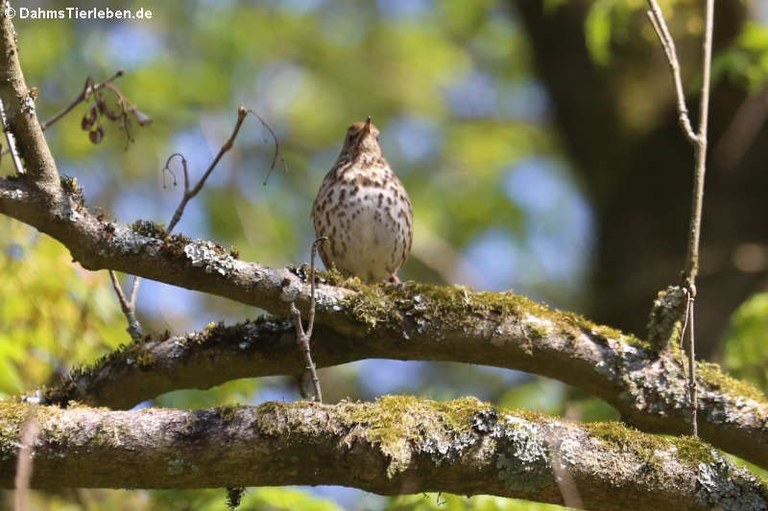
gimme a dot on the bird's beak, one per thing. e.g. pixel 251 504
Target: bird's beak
pixel 367 127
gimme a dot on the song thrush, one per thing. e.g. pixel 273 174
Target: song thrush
pixel 363 210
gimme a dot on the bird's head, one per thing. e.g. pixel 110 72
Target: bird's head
pixel 362 138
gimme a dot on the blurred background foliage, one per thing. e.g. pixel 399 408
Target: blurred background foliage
pixel 519 129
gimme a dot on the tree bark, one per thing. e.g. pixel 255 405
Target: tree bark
pixel 393 446
pixel 451 324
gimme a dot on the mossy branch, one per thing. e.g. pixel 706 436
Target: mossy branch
pixel 397 445
pixel 419 322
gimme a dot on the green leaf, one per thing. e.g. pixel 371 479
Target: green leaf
pixel 746 345
pixel 598 31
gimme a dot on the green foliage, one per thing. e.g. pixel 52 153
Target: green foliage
pixel 747 61
pixel 746 345
pixel 230 393
pixel 598 31
pixel 607 21
pixel 84 499
pixel 273 499
pixel 284 499
pixel 52 315
pixel 448 502
pixel 538 394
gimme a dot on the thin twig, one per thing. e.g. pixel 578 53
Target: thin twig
pixel 304 337
pixel 692 262
pixel 128 306
pixel 134 290
pixel 88 89
pixel 276 154
pixel 692 259
pixel 692 387
pixel 11 140
pixel 668 44
pixel 699 142
pixel 312 283
pixel 189 194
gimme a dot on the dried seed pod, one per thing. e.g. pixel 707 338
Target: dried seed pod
pixel 97 135
pixel 89 119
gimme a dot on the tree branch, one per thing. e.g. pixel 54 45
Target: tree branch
pixel 446 324
pixel 99 244
pixel 19 109
pixel 393 446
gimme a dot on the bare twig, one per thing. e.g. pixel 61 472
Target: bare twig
pixel 276 154
pixel 128 305
pixel 692 267
pixel 11 141
pixel 699 142
pixel 692 387
pixel 88 89
pixel 190 193
pixel 304 337
pixel 668 44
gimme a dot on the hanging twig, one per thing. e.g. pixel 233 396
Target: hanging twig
pixel 304 337
pixel 692 386
pixel 699 142
pixel 276 154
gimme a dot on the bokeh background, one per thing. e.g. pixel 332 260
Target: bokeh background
pixel 538 142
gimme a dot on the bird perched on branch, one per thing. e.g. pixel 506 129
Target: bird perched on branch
pixel 363 210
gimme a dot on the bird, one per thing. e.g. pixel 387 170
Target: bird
pixel 363 211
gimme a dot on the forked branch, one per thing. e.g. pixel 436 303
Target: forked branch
pixel 699 141
pixel 304 337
